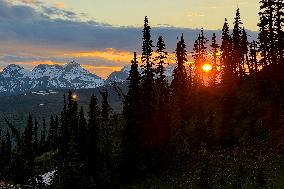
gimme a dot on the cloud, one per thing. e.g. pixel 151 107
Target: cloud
pixel 215 7
pixel 108 54
pixel 10 12
pixel 60 5
pixel 32 32
pixel 196 14
pixel 102 71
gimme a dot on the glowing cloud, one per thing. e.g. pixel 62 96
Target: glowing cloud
pixel 60 5
pixel 109 54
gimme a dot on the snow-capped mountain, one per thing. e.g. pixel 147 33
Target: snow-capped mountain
pixel 14 79
pixel 119 76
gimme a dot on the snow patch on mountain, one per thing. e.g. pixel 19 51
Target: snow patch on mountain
pixel 48 177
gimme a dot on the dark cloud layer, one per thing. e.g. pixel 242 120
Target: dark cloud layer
pixel 24 23
pixel 33 24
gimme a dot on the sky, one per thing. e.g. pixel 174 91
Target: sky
pixel 101 35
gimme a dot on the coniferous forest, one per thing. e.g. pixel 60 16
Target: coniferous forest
pixel 218 123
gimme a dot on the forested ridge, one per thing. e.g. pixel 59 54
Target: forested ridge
pixel 219 123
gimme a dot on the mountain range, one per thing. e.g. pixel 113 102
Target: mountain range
pixel 15 79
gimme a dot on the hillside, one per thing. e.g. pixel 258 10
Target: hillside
pixel 44 103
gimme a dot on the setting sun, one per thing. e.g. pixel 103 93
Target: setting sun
pixel 207 67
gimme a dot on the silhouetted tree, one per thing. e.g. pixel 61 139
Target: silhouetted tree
pixel 253 65
pixel 267 12
pixel 82 134
pixel 228 67
pixel 237 46
pixel 52 138
pixel 278 25
pixel 28 146
pixel 244 53
pixel 93 151
pixel 214 72
pixel 43 147
pixel 133 123
pixel 199 55
pixel 106 142
pixel 180 86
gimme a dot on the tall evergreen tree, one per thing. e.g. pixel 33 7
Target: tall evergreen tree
pixel 161 60
pixel 105 176
pixel 180 84
pixel 133 124
pixel 162 95
pixel 161 82
pixel 263 40
pixel 199 55
pixel 253 64
pixel 148 72
pixel 43 147
pixel 267 12
pixel 214 72
pixel 278 25
pixel 82 134
pixel 6 156
pixel 35 140
pixel 93 153
pixel 52 137
pixel 28 147
pixel 244 53
pixel 228 67
pixel 237 67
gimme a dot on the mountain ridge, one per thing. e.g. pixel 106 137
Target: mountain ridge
pixel 15 79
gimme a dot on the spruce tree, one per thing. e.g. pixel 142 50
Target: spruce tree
pixel 214 72
pixel 162 95
pixel 180 85
pixel 52 134
pixel 28 147
pixel 161 60
pixel 148 72
pixel 93 153
pixel 106 141
pixel 253 64
pixel 228 67
pixel 244 53
pixel 6 156
pixel 162 87
pixel 237 67
pixel 43 147
pixel 267 12
pixel 36 143
pixel 133 123
pixel 63 133
pixel 199 55
pixel 82 134
pixel 263 40
pixel 279 32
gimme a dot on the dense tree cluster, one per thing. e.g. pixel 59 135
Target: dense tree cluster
pixel 167 124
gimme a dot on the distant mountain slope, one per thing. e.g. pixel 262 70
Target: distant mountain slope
pixel 44 103
pixel 15 79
